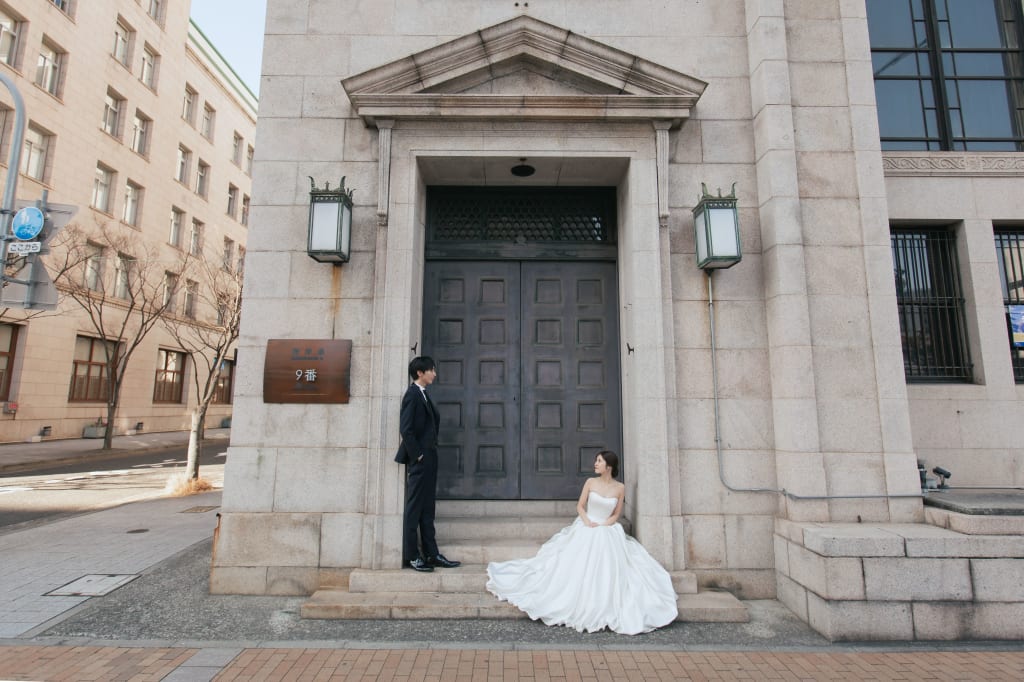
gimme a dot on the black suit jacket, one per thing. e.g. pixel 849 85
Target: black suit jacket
pixel 418 424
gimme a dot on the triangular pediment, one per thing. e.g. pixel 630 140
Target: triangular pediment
pixel 523 69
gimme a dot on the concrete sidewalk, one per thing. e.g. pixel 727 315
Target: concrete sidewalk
pixel 22 456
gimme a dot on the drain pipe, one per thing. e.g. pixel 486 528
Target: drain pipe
pixel 718 432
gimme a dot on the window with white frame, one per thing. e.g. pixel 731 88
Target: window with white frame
pixel 62 5
pixel 249 153
pixel 191 297
pixel 177 220
pixel 101 185
pixel 122 42
pixel 188 105
pixel 236 150
pixel 170 376
pixel 229 254
pixel 49 68
pixel 92 275
pixel 170 291
pixel 232 200
pixel 209 114
pixel 245 209
pixel 195 239
pixel 202 178
pixel 147 72
pixel 140 133
pixel 123 270
pixel 34 153
pixel 10 28
pixel 132 213
pixel 181 173
pixel 240 268
pixel 155 10
pixel 113 104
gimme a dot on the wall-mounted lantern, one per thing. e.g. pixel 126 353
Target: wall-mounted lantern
pixel 716 227
pixel 330 223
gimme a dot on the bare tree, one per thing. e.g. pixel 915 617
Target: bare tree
pixel 123 306
pixel 218 295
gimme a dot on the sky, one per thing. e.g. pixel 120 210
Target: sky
pixel 235 27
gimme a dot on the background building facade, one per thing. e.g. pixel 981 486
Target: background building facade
pixel 133 117
pixel 876 150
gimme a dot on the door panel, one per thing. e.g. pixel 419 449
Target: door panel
pixel 528 374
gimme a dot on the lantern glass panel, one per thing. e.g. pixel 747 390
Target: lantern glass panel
pixel 702 235
pixel 723 232
pixel 323 233
pixel 346 229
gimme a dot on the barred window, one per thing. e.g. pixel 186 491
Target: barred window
pixel 1010 259
pixel 930 300
pixel 170 376
pixel 90 381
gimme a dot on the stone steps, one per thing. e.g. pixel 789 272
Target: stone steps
pixel 461 593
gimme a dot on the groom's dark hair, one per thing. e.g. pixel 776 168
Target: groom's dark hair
pixel 611 459
pixel 422 363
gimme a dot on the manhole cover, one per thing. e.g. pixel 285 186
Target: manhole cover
pixel 197 510
pixel 94 585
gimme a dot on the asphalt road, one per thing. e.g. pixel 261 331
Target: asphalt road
pixel 29 497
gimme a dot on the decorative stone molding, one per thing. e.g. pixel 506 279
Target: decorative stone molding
pixel 384 127
pixel 602 83
pixel 661 143
pixel 953 163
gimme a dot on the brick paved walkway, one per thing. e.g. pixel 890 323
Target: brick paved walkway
pixel 119 663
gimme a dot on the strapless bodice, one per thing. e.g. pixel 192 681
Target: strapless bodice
pixel 599 507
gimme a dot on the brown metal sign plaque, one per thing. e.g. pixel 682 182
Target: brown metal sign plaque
pixel 307 371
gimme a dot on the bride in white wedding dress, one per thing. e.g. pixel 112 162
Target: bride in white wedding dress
pixel 590 575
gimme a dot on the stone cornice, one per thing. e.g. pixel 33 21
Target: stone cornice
pixel 953 164
pixel 430 84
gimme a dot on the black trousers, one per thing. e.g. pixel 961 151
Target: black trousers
pixel 420 498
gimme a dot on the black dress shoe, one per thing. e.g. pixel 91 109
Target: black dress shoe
pixel 420 565
pixel 441 561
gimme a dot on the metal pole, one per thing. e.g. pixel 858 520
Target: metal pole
pixel 13 163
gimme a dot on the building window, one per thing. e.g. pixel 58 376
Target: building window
pixel 49 68
pixel 147 74
pixel 170 291
pixel 170 376
pixel 202 178
pixel 949 74
pixel 195 239
pixel 140 133
pixel 34 153
pixel 62 5
pixel 156 10
pixel 930 301
pixel 208 117
pixel 249 153
pixel 10 28
pixel 241 260
pixel 101 185
pixel 132 204
pixel 245 209
pixel 236 150
pixel 90 381
pixel 123 270
pixel 174 236
pixel 188 105
pixel 232 200
pixel 122 42
pixel 1010 259
pixel 113 104
pixel 191 296
pixel 92 276
pixel 8 344
pixel 228 260
pixel 181 173
pixel 225 381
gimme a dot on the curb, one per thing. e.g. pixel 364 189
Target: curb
pixel 94 456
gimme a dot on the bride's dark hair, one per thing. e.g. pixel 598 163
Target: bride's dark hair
pixel 611 459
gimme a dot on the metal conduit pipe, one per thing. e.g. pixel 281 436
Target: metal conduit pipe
pixel 718 433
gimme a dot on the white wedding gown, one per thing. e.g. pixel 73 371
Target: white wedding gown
pixel 589 579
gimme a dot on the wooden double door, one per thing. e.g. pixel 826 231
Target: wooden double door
pixel 528 388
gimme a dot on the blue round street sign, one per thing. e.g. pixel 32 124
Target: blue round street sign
pixel 27 224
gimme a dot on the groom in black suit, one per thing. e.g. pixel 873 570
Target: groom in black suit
pixel 419 423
